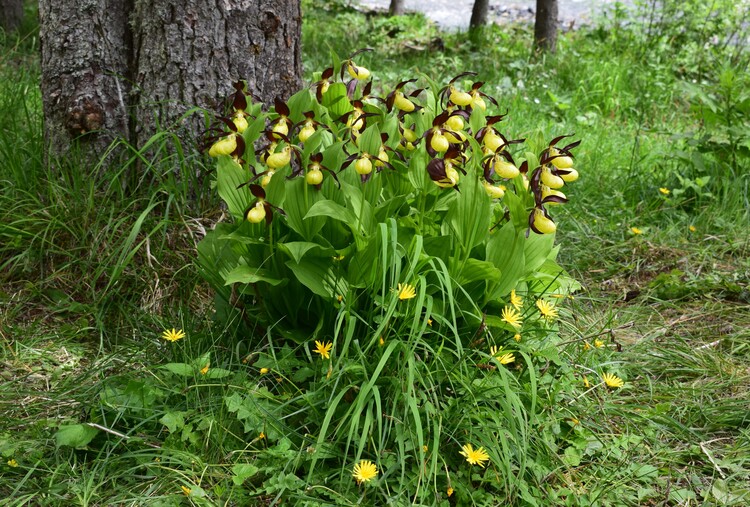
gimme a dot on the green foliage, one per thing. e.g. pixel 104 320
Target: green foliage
pixel 382 234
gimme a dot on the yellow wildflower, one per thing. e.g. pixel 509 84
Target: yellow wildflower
pixel 586 382
pixel 612 381
pixel 186 490
pixel 512 317
pixel 692 228
pixel 406 291
pixel 474 456
pixel 516 300
pixel 449 491
pixel 636 230
pixel 323 349
pixel 517 337
pixel 364 471
pixel 502 356
pixel 664 191
pixel 173 335
pixel 263 371
pixel 598 343
pixel 204 370
pixel 547 309
pixel 12 463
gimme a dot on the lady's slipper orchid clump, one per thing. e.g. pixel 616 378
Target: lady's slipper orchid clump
pixel 555 169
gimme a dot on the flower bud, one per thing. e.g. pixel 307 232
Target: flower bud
pixel 569 175
pixel 551 180
pixel 505 169
pixel 455 122
pixel 306 131
pixel 564 162
pixel 439 142
pixel 281 127
pixel 224 146
pixel 314 177
pixel 494 191
pixel 279 159
pixel 357 72
pixel 256 214
pixel 402 103
pixel 460 98
pixel 240 122
pixel 542 223
pixel 492 141
pixel 266 179
pixel 363 166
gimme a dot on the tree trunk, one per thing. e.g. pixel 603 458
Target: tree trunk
pixel 479 13
pixel 11 15
pixel 124 68
pixel 545 27
pixel 396 8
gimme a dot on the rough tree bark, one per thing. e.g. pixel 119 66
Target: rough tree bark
pixel 479 13
pixel 119 68
pixel 545 26
pixel 396 8
pixel 11 14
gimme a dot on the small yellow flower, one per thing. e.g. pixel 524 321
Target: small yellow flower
pixel 474 456
pixel 263 371
pixel 502 356
pixel 516 300
pixel 574 421
pixel 664 191
pixel 517 337
pixel 425 448
pixel 261 436
pixel 547 309
pixel 381 341
pixel 406 291
pixel 586 346
pixel 512 317
pixel 339 298
pixel 12 463
pixel 636 230
pixel 586 382
pixel 449 491
pixel 429 322
pixel 186 490
pixel 204 370
pixel 692 228
pixel 612 381
pixel 173 335
pixel 364 471
pixel 323 349
pixel 598 343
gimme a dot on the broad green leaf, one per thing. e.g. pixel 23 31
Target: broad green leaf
pixel 474 269
pixel 505 249
pixel 318 276
pixel 369 141
pixel 75 435
pixel 297 249
pixel 242 472
pixel 181 369
pixel 333 210
pixel 173 421
pixel 248 274
pixel 336 101
pixel 536 250
pixel 300 197
pixel 230 176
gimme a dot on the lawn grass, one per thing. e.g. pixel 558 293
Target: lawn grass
pixel 90 275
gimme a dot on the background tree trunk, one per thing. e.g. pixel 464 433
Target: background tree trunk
pixel 120 68
pixel 479 13
pixel 545 26
pixel 396 8
pixel 11 14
